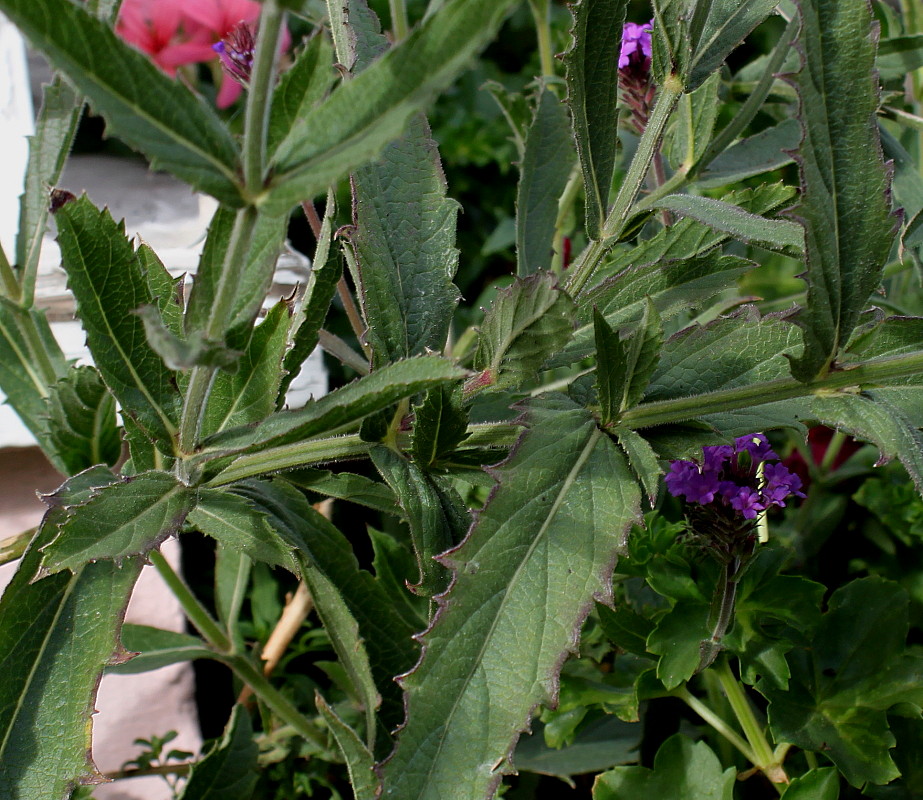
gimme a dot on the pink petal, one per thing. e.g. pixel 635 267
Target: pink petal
pixel 185 53
pixel 228 93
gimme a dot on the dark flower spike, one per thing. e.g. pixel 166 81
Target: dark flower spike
pixel 236 51
pixel 637 91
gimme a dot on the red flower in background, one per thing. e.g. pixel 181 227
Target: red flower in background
pixel 818 442
pixel 174 33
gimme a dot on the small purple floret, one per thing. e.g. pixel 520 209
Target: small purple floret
pixel 636 43
pixel 757 445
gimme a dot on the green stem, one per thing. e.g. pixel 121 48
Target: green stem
pixel 722 612
pixel 541 13
pixel 179 769
pixel 259 96
pixel 870 373
pixel 400 25
pixel 337 448
pixel 743 711
pixel 204 623
pixel 273 698
pixel 720 725
pixel 649 145
pixel 197 613
pixel 201 377
pixel 833 450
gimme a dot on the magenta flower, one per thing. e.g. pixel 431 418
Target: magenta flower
pixel 636 44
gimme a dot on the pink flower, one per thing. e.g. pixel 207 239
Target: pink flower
pixel 178 32
pixel 220 18
pixel 636 43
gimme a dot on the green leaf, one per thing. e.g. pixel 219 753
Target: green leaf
pixel 343 407
pixel 249 394
pixel 625 628
pixel 371 109
pixel 55 128
pixel 160 117
pixel 697 114
pixel 236 522
pixel 344 595
pixel 230 770
pixel 356 32
pixel 899 55
pixel 687 238
pixel 818 784
pixel 301 88
pixel 165 289
pixel 527 321
pixel 346 486
pixel 598 745
pixel 683 769
pixel 30 358
pixel 907 726
pixel 104 273
pixel 731 351
pixel 671 42
pixel 763 152
pixel 774 234
pixel 56 635
pixel 677 639
pixel 359 761
pixel 156 648
pixel 326 271
pixel 874 420
pixel 440 424
pixel 265 245
pixel 642 459
pixel 405 250
pixel 541 550
pixel 842 685
pixel 435 522
pixel 723 26
pixel 546 167
pixel 624 366
pixel 82 426
pixel 592 65
pixel 129 517
pixel 232 579
pixel 768 611
pixel 395 567
pixel 671 286
pixel 844 208
pixel 183 353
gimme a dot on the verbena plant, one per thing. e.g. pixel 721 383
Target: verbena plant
pixel 617 362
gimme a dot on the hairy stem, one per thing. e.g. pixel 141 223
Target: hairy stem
pixel 273 698
pixel 400 26
pixel 259 96
pixel 667 97
pixel 197 613
pixel 719 724
pixel 743 710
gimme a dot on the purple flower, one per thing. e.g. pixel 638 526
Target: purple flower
pixel 636 43
pixel 757 445
pixel 716 457
pixel 743 499
pixel 780 483
pixel 685 479
pixel 236 51
pixel 728 478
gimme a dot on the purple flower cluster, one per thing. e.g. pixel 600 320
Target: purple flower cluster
pixel 730 475
pixel 636 43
